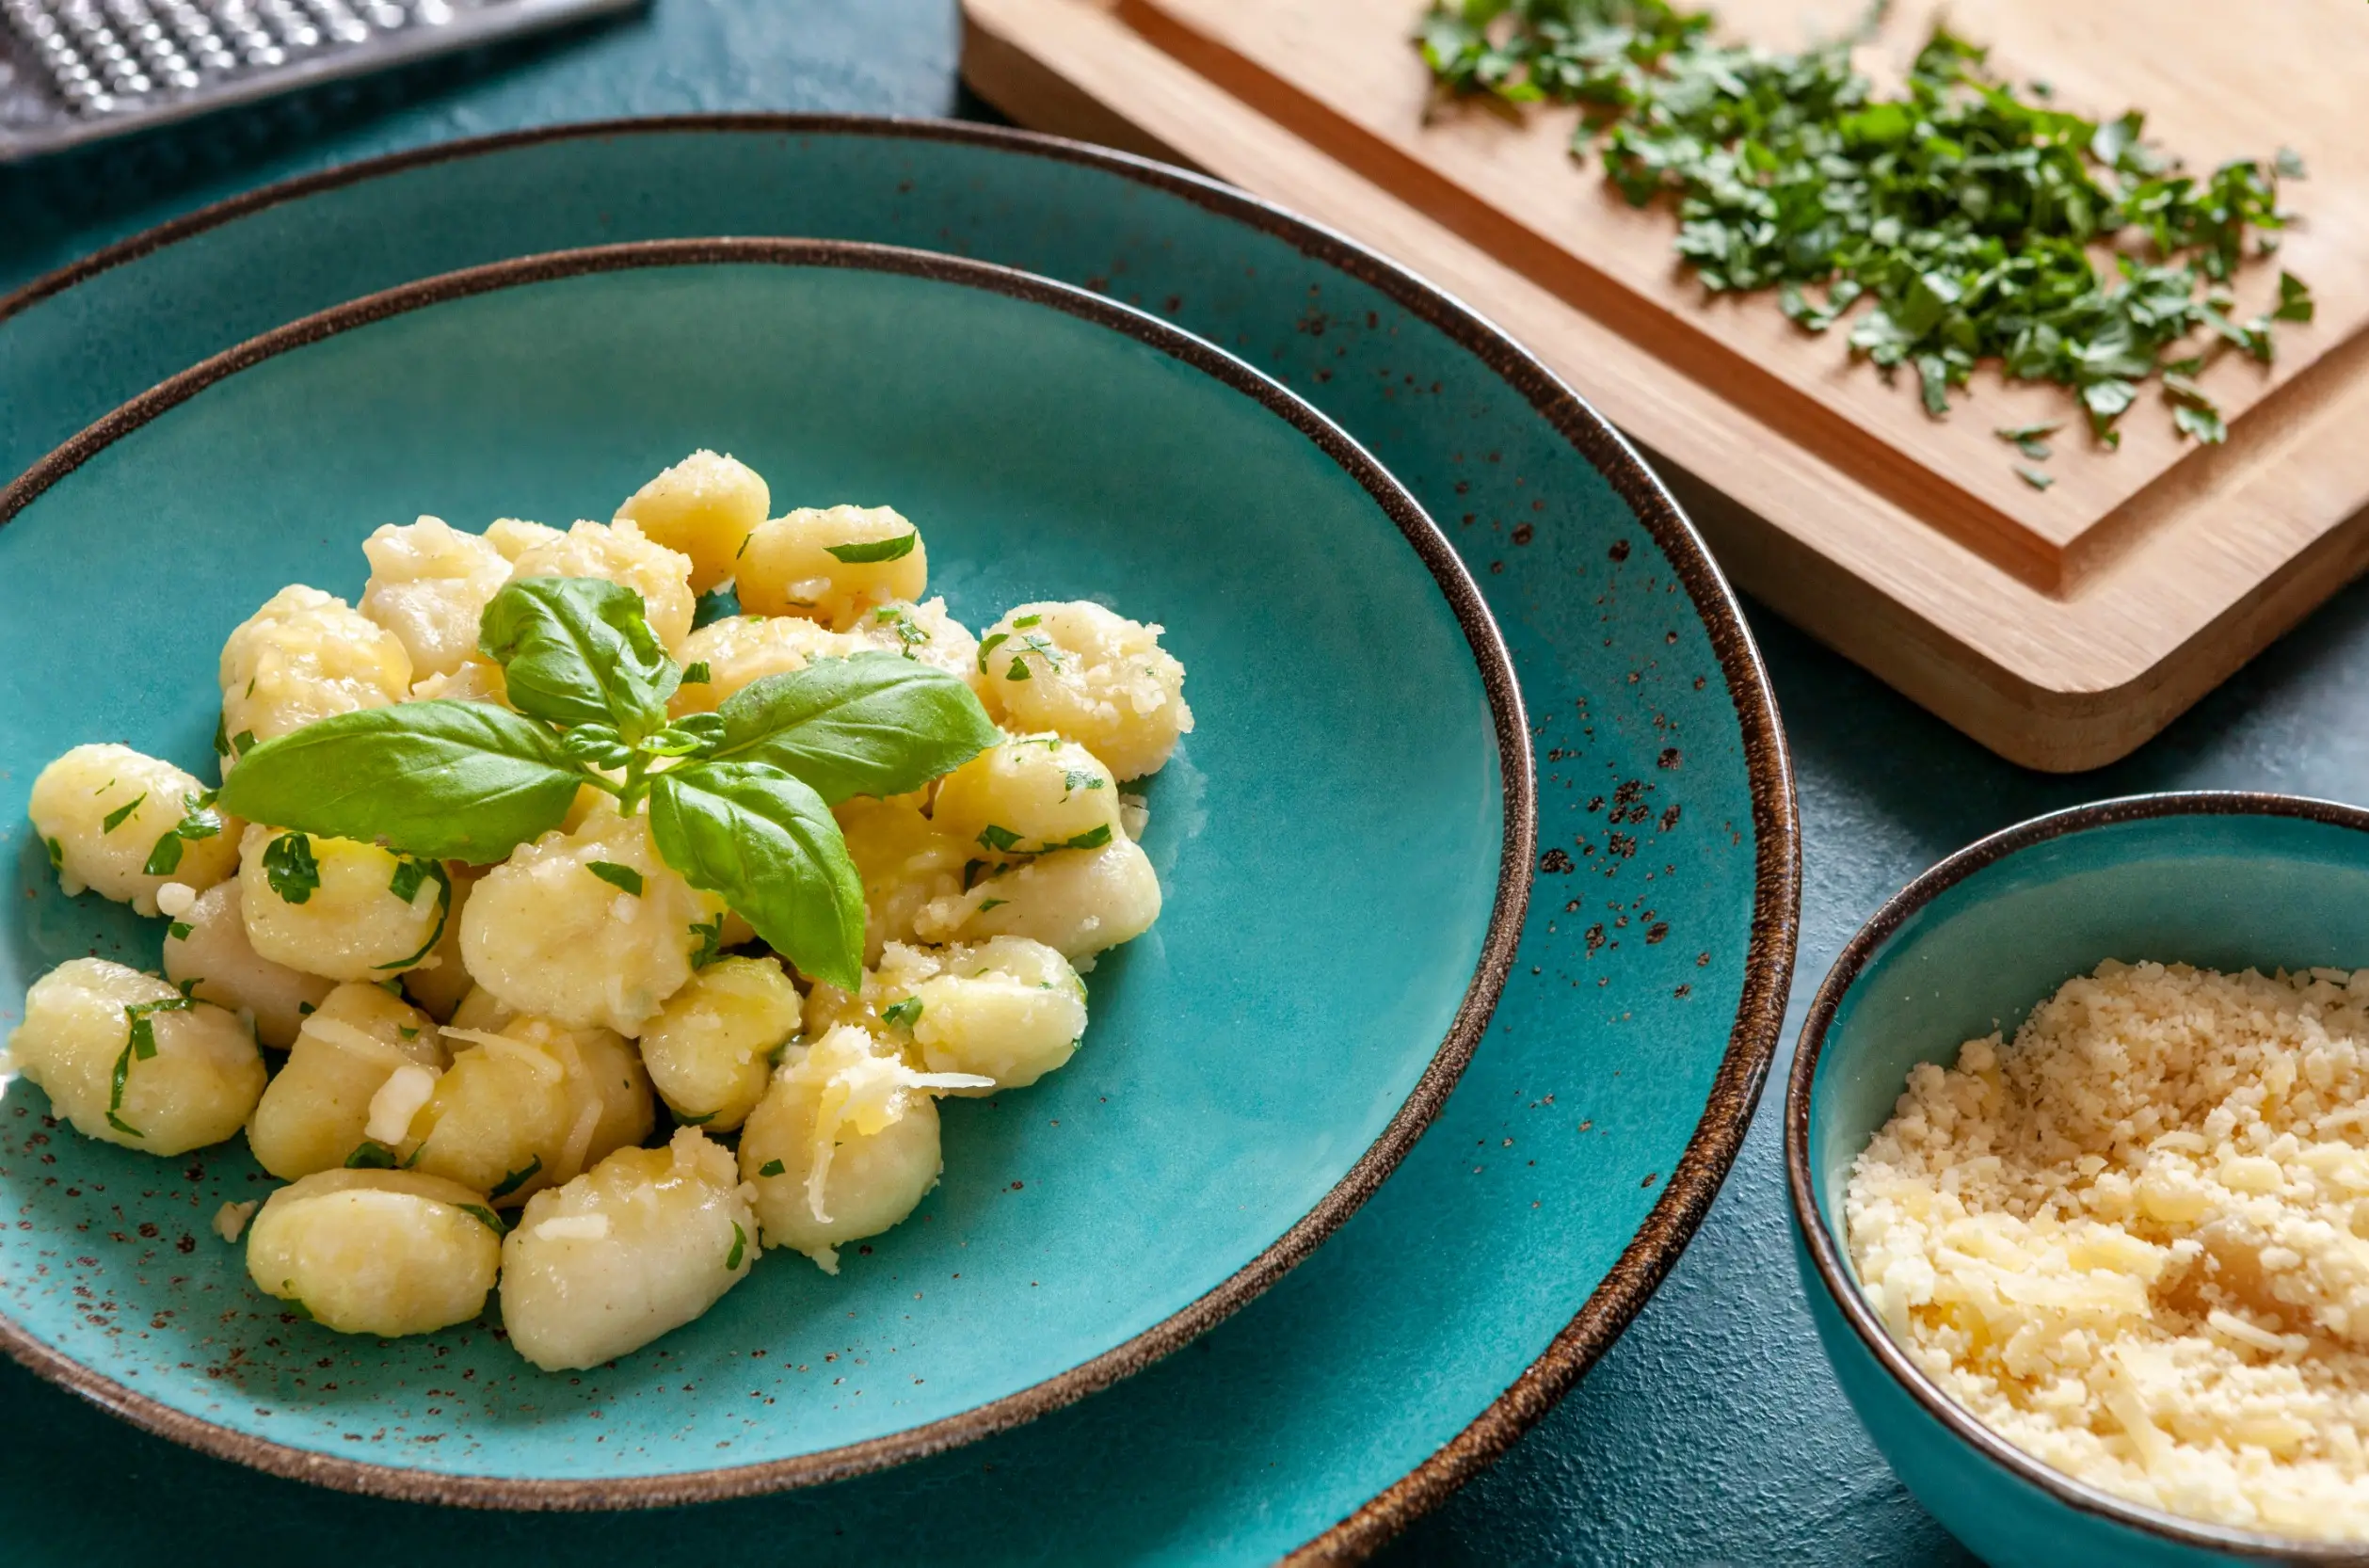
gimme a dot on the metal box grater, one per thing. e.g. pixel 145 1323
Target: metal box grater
pixel 77 71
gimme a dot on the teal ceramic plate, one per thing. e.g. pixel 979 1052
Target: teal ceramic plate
pixel 1483 1278
pixel 1344 868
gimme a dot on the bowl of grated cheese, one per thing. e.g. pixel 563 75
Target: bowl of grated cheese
pixel 2078 1141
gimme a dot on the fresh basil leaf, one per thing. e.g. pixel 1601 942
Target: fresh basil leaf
pixel 294 875
pixel 443 780
pixel 873 725
pixel 579 650
pixel 871 550
pixel 767 844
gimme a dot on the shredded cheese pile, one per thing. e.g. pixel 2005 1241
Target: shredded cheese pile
pixel 2133 1241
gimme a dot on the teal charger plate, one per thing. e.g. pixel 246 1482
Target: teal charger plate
pixel 1477 1284
pixel 1263 1057
pixel 2226 880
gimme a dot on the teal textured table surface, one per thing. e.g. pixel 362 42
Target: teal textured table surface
pixel 1711 1433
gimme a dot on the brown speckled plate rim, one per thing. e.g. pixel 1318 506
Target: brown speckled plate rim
pixel 1509 906
pixel 1819 1241
pixel 1769 957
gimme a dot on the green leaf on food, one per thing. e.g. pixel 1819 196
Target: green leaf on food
pixel 740 1247
pixel 443 780
pixel 869 552
pixel 580 651
pixel 290 868
pixel 116 817
pixel 516 1178
pixel 905 1015
pixel 767 844
pixel 873 725
pixel 623 877
pixel 485 1217
pixel 770 1168
pixel 371 1155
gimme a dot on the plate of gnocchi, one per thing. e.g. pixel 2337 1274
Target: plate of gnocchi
pixel 928 903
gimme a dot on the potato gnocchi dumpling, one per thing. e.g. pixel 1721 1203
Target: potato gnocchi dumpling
pixel 305 655
pixel 1008 1010
pixel 429 584
pixel 833 564
pixel 844 1145
pixel 705 507
pixel 740 649
pixel 320 1107
pixel 906 863
pixel 643 1242
pixel 546 933
pixel 338 908
pixel 129 1060
pixel 206 950
pixel 619 553
pixel 925 632
pixel 1025 795
pixel 1092 675
pixel 469 1042
pixel 388 1253
pixel 711 1050
pixel 1079 901
pixel 106 814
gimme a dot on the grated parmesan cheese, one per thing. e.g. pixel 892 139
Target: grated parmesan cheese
pixel 229 1221
pixel 2136 1242
pixel 574 1228
pixel 397 1100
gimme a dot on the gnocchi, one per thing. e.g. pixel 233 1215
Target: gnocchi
pixel 123 825
pixel 1092 675
pixel 705 507
pixel 319 1109
pixel 206 950
pixel 471 1043
pixel 388 1253
pixel 844 1145
pixel 643 1242
pixel 305 655
pixel 129 1060
pixel 338 908
pixel 549 936
pixel 711 1050
pixel 833 564
pixel 429 584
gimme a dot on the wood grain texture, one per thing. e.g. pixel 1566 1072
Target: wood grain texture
pixel 2060 647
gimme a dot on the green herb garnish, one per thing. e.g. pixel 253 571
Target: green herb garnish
pixel 115 819
pixel 199 820
pixel 697 674
pixel 1957 218
pixel 738 799
pixel 2028 439
pixel 770 1168
pixel 623 877
pixel 988 645
pixel 517 1179
pixel 178 932
pixel 1002 839
pixel 1024 622
pixel 483 1216
pixel 371 1155
pixel 740 1247
pixel 905 1015
pixel 877 550
pixel 711 940
pixel 695 1121
pixel 987 903
pixel 139 1045
pixel 294 875
pixel 2034 478
pixel 57 854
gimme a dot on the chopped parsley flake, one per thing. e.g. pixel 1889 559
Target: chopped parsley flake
pixel 740 1247
pixel 2034 478
pixel 905 1015
pixel 697 674
pixel 290 868
pixel 116 817
pixel 709 934
pixel 483 1216
pixel 989 647
pixel 999 839
pixel 1958 218
pixel 517 1179
pixel 866 553
pixel 623 877
pixel 178 931
pixel 770 1168
pixel 987 903
pixel 1026 621
pixel 371 1155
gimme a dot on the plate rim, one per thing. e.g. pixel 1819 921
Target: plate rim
pixel 1508 904
pixel 1736 1087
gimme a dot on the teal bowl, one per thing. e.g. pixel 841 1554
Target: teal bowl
pixel 1345 841
pixel 2226 881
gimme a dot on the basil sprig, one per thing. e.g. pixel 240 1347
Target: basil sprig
pixel 738 799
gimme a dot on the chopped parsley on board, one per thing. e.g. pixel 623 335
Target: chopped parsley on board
pixel 1963 220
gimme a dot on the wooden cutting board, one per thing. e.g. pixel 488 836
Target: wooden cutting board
pixel 2061 628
